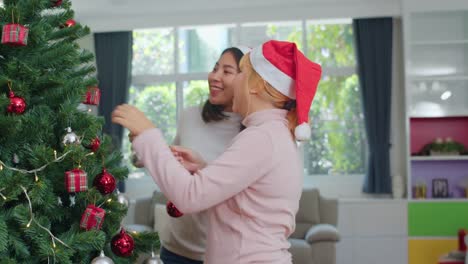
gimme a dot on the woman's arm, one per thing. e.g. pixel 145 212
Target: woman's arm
pixel 244 162
pixel 248 159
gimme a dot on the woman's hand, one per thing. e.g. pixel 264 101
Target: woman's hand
pixel 131 118
pixel 191 160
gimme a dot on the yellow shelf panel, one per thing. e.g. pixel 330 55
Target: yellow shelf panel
pixel 428 251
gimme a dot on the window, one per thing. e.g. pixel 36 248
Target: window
pixel 167 79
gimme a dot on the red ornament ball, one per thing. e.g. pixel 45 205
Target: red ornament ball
pixel 70 23
pixel 122 244
pixel 104 182
pixel 56 3
pixel 95 144
pixel 172 210
pixel 17 104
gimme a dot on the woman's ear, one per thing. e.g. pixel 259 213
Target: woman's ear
pixel 253 91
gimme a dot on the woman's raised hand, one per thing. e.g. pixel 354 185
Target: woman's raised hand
pixel 191 160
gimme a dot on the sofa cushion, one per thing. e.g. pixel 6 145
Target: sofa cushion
pixel 309 212
pixel 321 233
pixel 300 251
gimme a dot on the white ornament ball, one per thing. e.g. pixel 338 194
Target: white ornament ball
pixel 102 259
pixel 154 259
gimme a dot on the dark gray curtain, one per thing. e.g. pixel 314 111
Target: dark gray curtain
pixel 374 37
pixel 114 66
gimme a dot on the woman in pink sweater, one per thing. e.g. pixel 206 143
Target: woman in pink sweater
pixel 251 192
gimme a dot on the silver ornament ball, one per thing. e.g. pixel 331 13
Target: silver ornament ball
pixel 154 259
pixel 135 160
pixel 122 198
pixel 102 259
pixel 70 138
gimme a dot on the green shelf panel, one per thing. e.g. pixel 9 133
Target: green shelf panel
pixel 435 219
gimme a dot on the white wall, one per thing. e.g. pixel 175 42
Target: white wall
pixel 116 15
pixel 372 231
pixel 87 43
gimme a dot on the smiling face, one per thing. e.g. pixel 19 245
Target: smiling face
pixel 220 81
pixel 241 93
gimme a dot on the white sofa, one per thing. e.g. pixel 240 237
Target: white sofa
pixel 313 241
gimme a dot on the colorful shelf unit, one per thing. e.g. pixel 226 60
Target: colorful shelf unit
pixel 426 169
pixel 436 85
pixel 433 228
pixel 454 171
pixel 425 130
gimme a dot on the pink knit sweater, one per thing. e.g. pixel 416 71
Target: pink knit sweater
pixel 252 190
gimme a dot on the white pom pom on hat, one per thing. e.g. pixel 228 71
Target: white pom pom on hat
pixel 286 68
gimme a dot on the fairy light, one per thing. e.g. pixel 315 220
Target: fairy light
pixel 1 194
pixel 53 238
pixel 36 178
pixel 55 154
pixel 59 159
pixel 108 201
pixel 30 206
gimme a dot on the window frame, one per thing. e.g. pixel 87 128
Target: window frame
pixel 179 78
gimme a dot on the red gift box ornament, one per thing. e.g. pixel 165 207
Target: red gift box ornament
pixel 92 218
pixel 15 35
pixel 93 96
pixel 76 180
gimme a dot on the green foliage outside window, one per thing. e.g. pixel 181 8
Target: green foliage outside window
pixel 338 144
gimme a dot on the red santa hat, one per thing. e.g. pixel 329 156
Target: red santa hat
pixel 283 66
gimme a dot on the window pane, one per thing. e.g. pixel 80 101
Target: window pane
pixel 331 45
pixel 338 144
pixel 195 93
pixel 253 35
pixel 153 51
pixel 200 47
pixel 158 102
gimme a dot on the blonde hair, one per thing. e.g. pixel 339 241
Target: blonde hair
pixel 267 91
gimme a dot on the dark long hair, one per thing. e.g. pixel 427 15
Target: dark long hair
pixel 212 112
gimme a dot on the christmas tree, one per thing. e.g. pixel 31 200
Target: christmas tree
pixel 58 172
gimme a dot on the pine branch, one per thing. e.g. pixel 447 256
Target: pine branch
pixel 3 235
